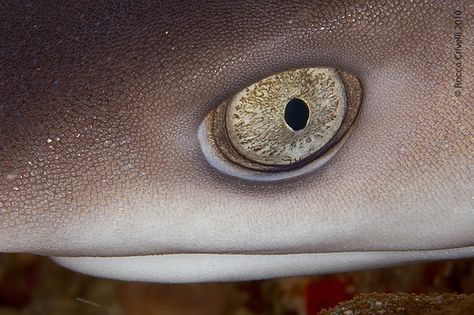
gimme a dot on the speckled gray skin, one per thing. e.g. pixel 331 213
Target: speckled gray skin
pixel 100 104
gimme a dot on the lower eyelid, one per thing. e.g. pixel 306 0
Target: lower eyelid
pixel 215 158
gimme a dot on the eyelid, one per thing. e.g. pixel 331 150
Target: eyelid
pixel 219 152
pixel 216 159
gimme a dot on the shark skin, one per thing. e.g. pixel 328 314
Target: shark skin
pixel 101 165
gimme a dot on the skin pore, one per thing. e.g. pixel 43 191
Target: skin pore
pixel 100 104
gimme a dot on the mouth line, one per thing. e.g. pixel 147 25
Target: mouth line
pixel 180 268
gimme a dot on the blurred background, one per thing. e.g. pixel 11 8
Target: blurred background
pixel 35 285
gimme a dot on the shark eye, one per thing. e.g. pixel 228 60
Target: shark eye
pixel 283 125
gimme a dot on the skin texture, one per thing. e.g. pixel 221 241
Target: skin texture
pixel 100 104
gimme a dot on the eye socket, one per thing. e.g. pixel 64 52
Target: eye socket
pixel 282 126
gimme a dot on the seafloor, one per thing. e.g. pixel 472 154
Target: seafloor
pixel 34 285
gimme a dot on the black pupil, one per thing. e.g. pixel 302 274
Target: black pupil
pixel 296 114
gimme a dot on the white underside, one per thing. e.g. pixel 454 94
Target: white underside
pixel 178 268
